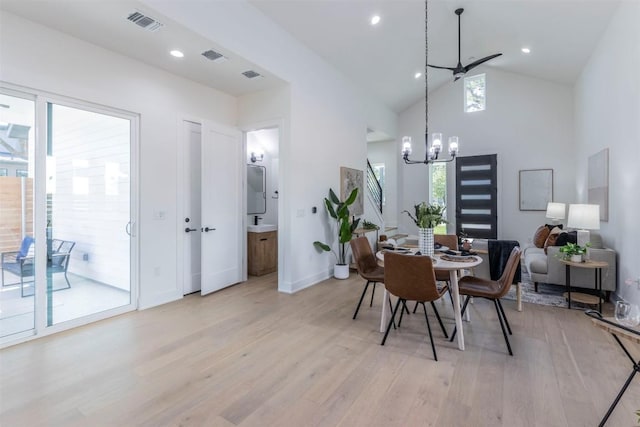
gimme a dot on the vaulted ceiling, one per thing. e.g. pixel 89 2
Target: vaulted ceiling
pixel 383 58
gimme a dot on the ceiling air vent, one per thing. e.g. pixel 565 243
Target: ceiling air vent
pixel 214 56
pixel 144 21
pixel 251 74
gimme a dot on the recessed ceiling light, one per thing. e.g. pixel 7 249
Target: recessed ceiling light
pixel 417 75
pixel 176 53
pixel 525 50
pixel 375 19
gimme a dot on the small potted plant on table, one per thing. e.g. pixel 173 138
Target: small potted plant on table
pixel 573 252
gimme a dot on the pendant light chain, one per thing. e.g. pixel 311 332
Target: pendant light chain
pixel 426 79
pixel 431 153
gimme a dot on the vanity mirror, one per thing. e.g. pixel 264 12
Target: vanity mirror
pixel 256 190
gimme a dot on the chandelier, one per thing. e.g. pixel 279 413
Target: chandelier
pixel 431 152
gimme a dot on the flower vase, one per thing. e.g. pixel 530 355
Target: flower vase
pixel 425 241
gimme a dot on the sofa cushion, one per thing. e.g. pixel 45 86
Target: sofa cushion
pixel 536 260
pixel 540 236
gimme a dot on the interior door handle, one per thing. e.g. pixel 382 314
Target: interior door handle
pixel 187 230
pixel 207 229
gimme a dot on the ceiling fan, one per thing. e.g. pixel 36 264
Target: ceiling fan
pixel 460 70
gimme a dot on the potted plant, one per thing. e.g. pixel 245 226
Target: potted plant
pixel 339 210
pixel 573 252
pixel 427 216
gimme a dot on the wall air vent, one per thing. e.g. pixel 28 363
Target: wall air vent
pixel 251 74
pixel 144 21
pixel 214 56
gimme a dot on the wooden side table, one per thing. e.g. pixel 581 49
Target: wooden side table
pixel 597 267
pixel 618 331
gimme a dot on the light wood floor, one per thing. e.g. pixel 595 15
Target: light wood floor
pixel 249 356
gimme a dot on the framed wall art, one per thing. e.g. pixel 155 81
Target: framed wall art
pixel 536 189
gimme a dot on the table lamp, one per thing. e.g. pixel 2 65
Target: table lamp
pixel 584 218
pixel 556 211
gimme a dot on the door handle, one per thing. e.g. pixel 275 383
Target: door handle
pixel 207 229
pixel 187 230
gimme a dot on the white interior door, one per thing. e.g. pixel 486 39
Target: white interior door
pixel 221 191
pixel 191 223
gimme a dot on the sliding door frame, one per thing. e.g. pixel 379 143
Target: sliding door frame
pixel 42 98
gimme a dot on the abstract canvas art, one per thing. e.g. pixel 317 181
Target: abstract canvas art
pixel 350 179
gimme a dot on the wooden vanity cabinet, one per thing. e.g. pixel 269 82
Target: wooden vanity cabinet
pixel 262 252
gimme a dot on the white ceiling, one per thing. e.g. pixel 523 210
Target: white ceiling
pixel 382 59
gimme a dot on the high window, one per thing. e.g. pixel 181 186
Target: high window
pixel 475 93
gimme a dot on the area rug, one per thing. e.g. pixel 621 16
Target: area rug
pixel 547 294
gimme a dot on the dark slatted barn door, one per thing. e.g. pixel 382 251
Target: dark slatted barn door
pixel 476 196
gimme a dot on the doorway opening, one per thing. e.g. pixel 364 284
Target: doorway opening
pixel 262 178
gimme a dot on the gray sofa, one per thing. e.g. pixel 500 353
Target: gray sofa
pixel 547 268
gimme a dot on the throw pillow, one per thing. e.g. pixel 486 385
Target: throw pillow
pixel 567 237
pixel 551 240
pixel 552 226
pixel 540 236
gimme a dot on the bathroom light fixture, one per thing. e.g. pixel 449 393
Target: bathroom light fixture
pixel 176 54
pixel 256 157
pixel 431 153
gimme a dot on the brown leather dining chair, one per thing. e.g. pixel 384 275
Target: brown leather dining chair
pixel 367 266
pixel 450 241
pixel 493 290
pixel 412 278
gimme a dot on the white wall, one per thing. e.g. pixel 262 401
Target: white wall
pixel 35 56
pixel 607 110
pixel 528 123
pixel 328 122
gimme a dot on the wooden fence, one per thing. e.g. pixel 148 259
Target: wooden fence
pixel 11 213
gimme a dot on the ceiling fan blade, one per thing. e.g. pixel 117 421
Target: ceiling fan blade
pixel 442 68
pixel 480 61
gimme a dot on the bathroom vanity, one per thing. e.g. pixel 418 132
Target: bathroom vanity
pixel 262 249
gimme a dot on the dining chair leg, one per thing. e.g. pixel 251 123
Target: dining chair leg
pixel 415 307
pixel 504 331
pixel 393 316
pixel 404 307
pixel 373 292
pixel 361 298
pixel 433 346
pixel 435 310
pixel 504 316
pixel 391 310
pixel 464 307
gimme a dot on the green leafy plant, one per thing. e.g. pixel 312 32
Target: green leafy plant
pixel 571 249
pixel 339 210
pixel 638 414
pixel 370 225
pixel 428 215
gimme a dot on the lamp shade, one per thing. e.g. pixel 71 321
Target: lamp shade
pixel 556 210
pixel 585 217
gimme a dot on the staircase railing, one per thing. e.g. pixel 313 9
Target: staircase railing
pixel 375 189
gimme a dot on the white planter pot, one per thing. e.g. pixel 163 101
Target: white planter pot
pixel 341 271
pixel 576 258
pixel 425 241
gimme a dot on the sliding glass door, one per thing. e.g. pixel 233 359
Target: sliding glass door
pixel 67 210
pixel 88 212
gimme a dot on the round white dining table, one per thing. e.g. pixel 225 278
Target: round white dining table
pixel 443 265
